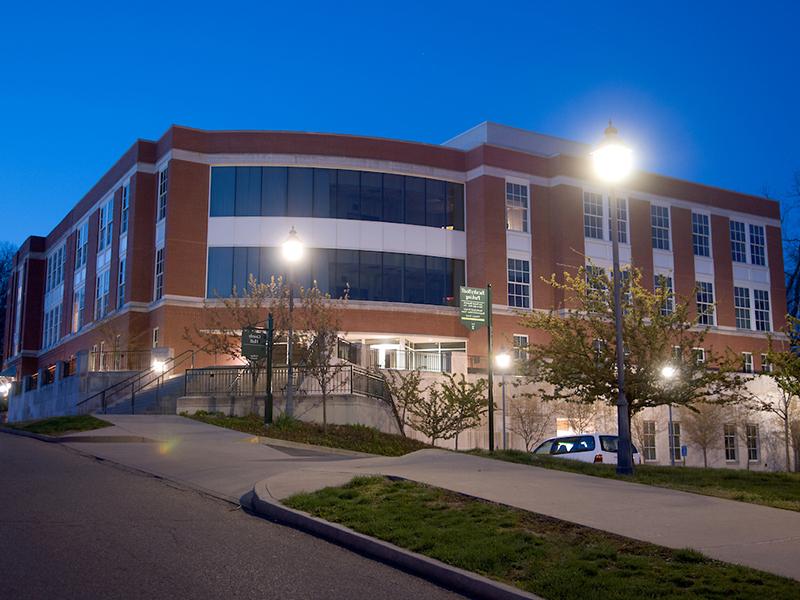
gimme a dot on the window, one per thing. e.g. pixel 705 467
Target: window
pixel 101 297
pixel 761 305
pixel 659 221
pixel 55 269
pixel 729 436
pixel 596 279
pixel 738 242
pixel 51 332
pixel 123 219
pixel 751 437
pixel 159 275
pixel 757 244
pixel 520 342
pixel 701 235
pixel 519 286
pixel 572 445
pixel 156 333
pixel 741 304
pixel 766 365
pixel 747 362
pixel 705 303
pixel 163 186
pixel 665 282
pixel 81 244
pixel 675 440
pixel 649 440
pixel 699 355
pixel 622 221
pixel 105 225
pixel 78 308
pixel 121 283
pixel 593 215
pixel 516 207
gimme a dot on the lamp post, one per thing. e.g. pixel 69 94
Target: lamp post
pixel 503 361
pixel 613 162
pixel 292 253
pixel 668 373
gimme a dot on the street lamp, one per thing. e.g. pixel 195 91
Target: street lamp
pixel 503 362
pixel 668 373
pixel 613 163
pixel 292 252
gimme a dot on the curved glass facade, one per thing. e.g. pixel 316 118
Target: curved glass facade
pixel 377 276
pixel 336 194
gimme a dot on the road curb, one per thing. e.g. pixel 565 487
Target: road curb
pixel 81 439
pixel 446 576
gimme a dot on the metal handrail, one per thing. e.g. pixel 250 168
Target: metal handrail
pixel 131 380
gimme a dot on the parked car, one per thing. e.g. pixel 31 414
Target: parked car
pixel 586 447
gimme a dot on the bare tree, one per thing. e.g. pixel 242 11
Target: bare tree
pixel 7 252
pixel 579 414
pixel 741 415
pixel 466 402
pixel 702 423
pixel 405 391
pixel 791 245
pixel 531 417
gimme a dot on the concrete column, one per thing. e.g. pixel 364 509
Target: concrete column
pixel 82 362
pixel 40 378
pixel 61 368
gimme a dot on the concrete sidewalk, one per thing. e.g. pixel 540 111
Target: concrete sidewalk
pixel 747 534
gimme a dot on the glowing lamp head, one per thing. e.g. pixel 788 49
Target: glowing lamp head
pixel 669 372
pixel 4 389
pixel 293 247
pixel 502 360
pixel 158 366
pixel 612 160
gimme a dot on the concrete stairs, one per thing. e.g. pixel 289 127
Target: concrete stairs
pixel 153 400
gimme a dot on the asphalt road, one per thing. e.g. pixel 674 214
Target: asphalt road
pixel 75 527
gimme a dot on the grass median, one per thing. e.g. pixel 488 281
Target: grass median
pixel 62 425
pixel 779 490
pixel 358 438
pixel 546 556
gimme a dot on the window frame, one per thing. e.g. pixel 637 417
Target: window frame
pixel 593 223
pixel 754 451
pixel 701 234
pixel 124 208
pixel 649 447
pixel 518 290
pixel 158 275
pixel 705 317
pixel 162 192
pixel 663 244
pixel 747 362
pixel 674 436
pixel 518 202
pixel 729 442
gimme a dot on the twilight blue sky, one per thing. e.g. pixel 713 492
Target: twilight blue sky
pixel 706 91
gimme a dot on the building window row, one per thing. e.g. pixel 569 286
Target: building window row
pixel 158 289
pixel 51 332
pixel 361 274
pixel 701 235
pixel 102 295
pixel 163 187
pixel 81 244
pixel 121 282
pixel 78 308
pixel 730 439
pixel 755 312
pixel 516 207
pixel 593 211
pixel 337 194
pixel 105 225
pixel 748 243
pixel 519 283
pixel 705 303
pixel 126 201
pixel 659 225
pixel 55 269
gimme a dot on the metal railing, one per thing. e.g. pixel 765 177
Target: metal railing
pixel 120 360
pixel 239 381
pixel 409 360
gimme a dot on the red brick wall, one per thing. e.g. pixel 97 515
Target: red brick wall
pixel 486 236
pixel 141 237
pixel 641 239
pixel 723 270
pixel 776 277
pixel 683 255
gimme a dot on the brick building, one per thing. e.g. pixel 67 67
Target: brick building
pixel 185 218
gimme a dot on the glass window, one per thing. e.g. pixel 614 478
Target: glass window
pixel 699 355
pixel 163 188
pixel 738 247
pixel 747 362
pixel 324 185
pixel 516 207
pixel 455 206
pixel 78 308
pixel 301 192
pixel 519 286
pixel 101 297
pixel 55 269
pixel 347 275
pixel 121 283
pixel 520 342
pixel 593 215
pixel 372 196
pixel 701 235
pixel 741 305
pixel 81 244
pixel 675 440
pixel 435 203
pixel 659 221
pixel 705 303
pixel 649 440
pixel 761 305
pixel 436 272
pixel 322 265
pixel 248 191
pixel 414 279
pixel 105 225
pixel 371 275
pixel 274 187
pixel 415 201
pixel 223 191
pixel 393 276
pixel 126 192
pixel 729 434
pixel 665 281
pixel 455 279
pixel 751 435
pixel 573 445
pixel 766 366
pixel 622 220
pixel 240 275
pixel 159 275
pixel 394 198
pixel 757 245
pixel 347 194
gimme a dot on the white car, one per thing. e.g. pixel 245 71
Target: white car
pixel 585 447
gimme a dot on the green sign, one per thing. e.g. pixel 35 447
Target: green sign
pixel 254 344
pixel 473 307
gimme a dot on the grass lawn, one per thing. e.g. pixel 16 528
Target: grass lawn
pixel 62 425
pixel 546 556
pixel 779 490
pixel 347 437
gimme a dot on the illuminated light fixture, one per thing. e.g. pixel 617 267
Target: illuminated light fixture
pixel 292 247
pixel 502 360
pixel 4 388
pixel 158 366
pixel 612 160
pixel 669 372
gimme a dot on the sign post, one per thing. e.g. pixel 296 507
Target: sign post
pixel 475 312
pixel 268 397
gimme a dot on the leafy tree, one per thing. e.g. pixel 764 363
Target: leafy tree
pixel 405 392
pixel 531 418
pixel 702 424
pixel 433 417
pixel 578 358
pixel 465 401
